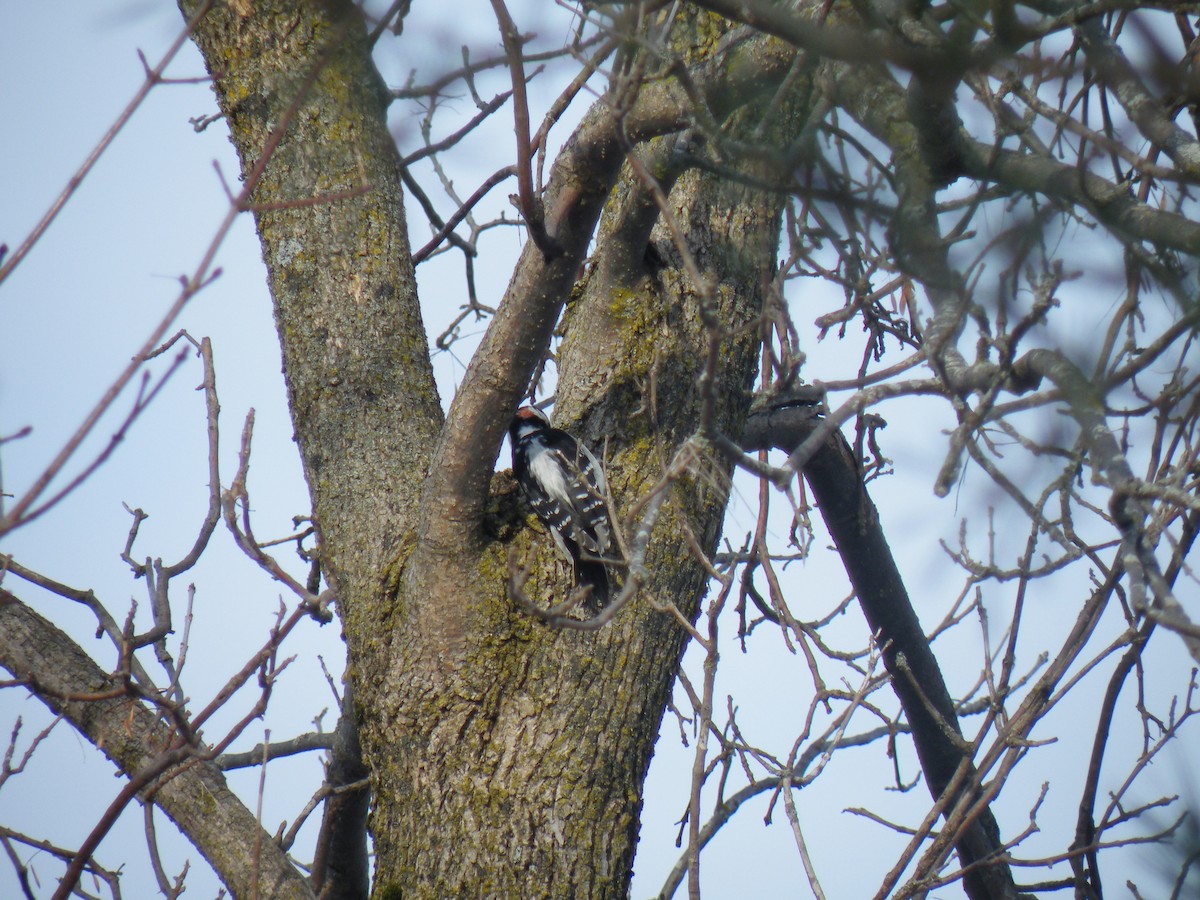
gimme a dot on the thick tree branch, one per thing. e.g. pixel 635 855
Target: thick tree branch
pixel 1152 593
pixel 194 796
pixel 832 41
pixel 340 869
pixel 834 476
pixel 517 338
pixel 881 105
pixel 360 382
pixel 1111 204
pixel 1118 74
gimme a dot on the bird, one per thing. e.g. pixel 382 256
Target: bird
pixel 564 483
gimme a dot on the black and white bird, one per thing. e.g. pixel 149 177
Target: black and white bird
pixel 564 484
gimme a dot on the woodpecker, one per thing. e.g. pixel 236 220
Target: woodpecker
pixel 564 484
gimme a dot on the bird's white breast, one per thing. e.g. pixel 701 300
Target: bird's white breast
pixel 546 467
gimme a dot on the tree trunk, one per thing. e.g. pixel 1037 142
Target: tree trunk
pixel 507 756
pixel 544 735
pixel 306 106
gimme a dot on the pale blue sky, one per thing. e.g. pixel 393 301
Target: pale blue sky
pixel 86 297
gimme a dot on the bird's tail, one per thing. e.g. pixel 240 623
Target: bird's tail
pixel 593 574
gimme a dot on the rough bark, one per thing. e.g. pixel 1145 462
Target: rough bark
pixel 546 734
pixel 193 793
pixel 330 215
pixel 507 758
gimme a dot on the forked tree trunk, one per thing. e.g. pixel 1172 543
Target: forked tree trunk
pixel 507 756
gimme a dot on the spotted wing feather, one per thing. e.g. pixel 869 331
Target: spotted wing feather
pixel 564 484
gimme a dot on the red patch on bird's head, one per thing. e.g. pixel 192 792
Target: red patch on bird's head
pixel 530 414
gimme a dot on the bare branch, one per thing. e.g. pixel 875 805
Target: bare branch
pixel 195 797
